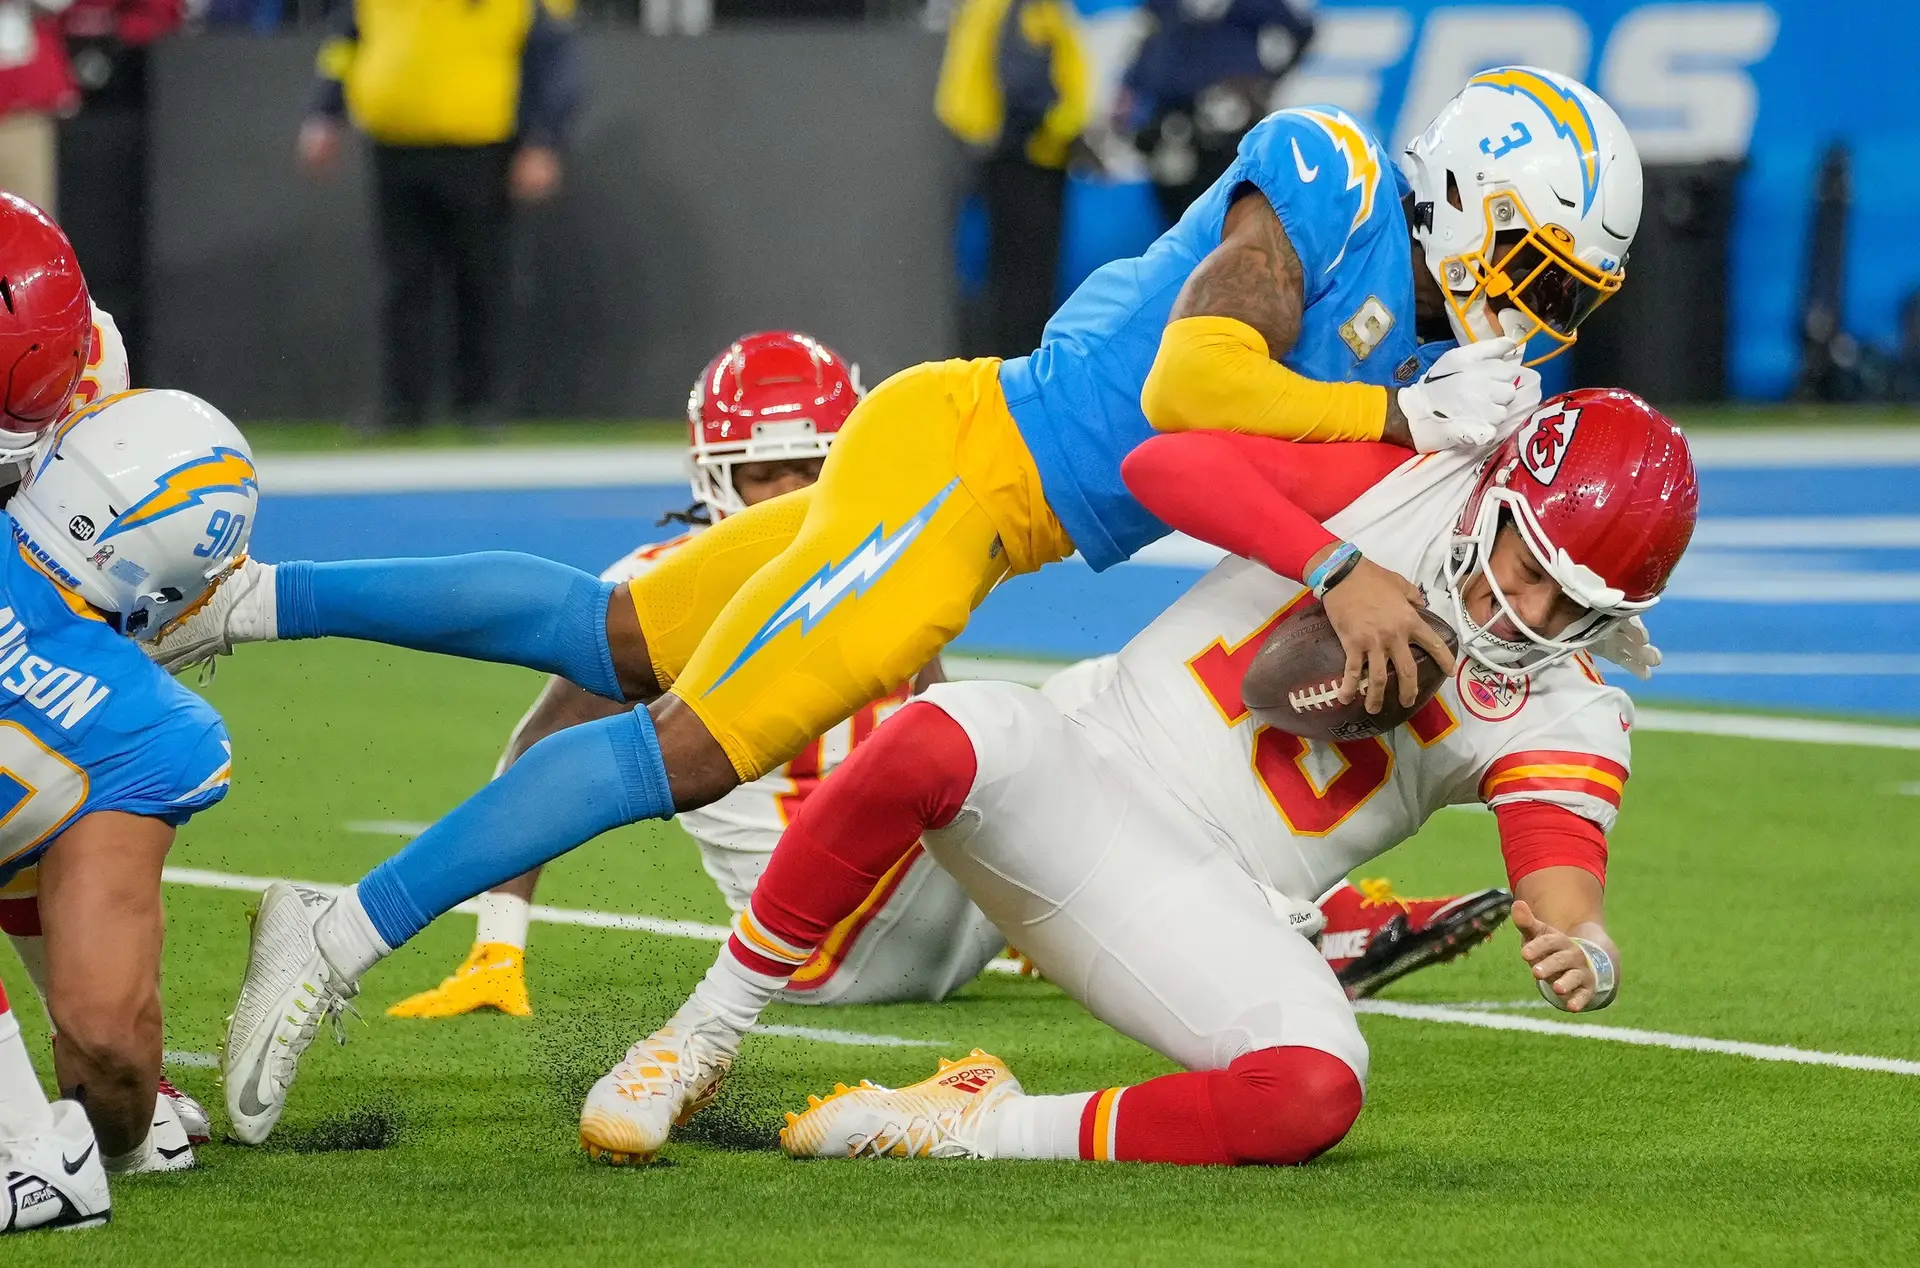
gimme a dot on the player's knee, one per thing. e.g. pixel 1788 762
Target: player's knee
pixel 1285 1106
pixel 104 1038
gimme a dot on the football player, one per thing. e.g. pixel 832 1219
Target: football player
pixel 133 508
pixel 1149 851
pixel 918 937
pixel 1511 222
pixel 49 1160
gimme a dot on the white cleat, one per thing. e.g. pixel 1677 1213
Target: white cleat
pixel 241 609
pixel 663 1081
pixel 54 1179
pixel 192 1114
pixel 938 1117
pixel 289 990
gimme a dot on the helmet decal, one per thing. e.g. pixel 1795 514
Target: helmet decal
pixel 1569 116
pixel 222 471
pixel 1545 439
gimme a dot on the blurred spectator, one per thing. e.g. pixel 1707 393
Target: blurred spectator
pixel 1203 77
pixel 466 105
pixel 36 88
pixel 1013 87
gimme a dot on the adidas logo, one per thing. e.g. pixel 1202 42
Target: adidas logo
pixel 1345 944
pixel 972 1080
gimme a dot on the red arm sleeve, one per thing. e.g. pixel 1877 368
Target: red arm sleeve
pixel 1259 498
pixel 1537 834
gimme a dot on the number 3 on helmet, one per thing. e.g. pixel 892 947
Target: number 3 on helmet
pixel 770 397
pixel 1526 196
pixel 139 504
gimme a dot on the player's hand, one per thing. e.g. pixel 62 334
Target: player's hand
pixel 1628 645
pixel 1555 959
pixel 1376 613
pixel 535 174
pixel 1468 395
pixel 319 144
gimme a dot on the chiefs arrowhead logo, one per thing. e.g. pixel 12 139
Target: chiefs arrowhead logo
pixel 1545 439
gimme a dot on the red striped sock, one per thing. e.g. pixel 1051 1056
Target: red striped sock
pixel 1278 1105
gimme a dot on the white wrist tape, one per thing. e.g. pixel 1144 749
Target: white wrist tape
pixel 1606 978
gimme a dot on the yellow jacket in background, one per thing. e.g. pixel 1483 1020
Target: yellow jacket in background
pixel 432 72
pixel 1015 64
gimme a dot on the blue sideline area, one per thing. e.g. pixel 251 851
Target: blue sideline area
pixel 1799 595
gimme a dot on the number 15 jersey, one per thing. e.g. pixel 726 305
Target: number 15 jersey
pixel 1302 813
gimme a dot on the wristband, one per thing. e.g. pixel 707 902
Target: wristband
pixel 1606 978
pixel 1343 559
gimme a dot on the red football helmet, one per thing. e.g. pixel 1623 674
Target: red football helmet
pixel 1601 487
pixel 46 324
pixel 770 397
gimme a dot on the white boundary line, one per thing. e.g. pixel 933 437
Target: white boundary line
pixel 1453 1014
pixel 1623 1034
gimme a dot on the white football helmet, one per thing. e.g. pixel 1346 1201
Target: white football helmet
pixel 1526 193
pixel 139 504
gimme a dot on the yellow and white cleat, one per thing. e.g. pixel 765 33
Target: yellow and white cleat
pixel 494 975
pixel 935 1118
pixel 663 1081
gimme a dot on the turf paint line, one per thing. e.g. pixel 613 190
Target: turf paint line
pixel 190 1060
pixel 1457 1014
pixel 1624 1034
pixel 850 1038
pixel 389 827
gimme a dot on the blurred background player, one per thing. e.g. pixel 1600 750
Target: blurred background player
pixel 762 416
pixel 467 106
pixel 1204 75
pixel 135 507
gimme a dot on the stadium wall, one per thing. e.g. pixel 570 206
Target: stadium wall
pixel 784 176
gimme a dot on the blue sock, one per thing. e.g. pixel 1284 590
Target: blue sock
pixel 563 792
pixel 500 606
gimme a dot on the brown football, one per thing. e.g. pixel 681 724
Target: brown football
pixel 1293 682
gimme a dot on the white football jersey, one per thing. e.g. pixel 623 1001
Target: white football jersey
pixel 1300 813
pixel 751 818
pixel 107 372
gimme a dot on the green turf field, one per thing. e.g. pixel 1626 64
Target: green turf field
pixel 1762 892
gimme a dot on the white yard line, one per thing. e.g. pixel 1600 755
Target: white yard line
pixel 1622 1034
pixel 1468 1014
pixel 190 1060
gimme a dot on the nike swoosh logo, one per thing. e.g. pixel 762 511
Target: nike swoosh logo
pixel 171 1154
pixel 249 1104
pixel 1307 174
pixel 73 1165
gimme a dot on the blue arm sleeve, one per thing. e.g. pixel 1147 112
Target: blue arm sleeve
pixel 498 606
pixel 550 80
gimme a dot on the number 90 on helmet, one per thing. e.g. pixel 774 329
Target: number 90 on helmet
pixel 139 504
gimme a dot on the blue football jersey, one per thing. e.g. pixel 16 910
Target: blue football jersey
pixel 1077 399
pixel 88 723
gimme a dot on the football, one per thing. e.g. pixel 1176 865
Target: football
pixel 1293 683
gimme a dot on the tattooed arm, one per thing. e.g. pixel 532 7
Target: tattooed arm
pixel 1239 311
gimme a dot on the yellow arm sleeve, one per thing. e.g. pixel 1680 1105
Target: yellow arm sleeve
pixel 1214 374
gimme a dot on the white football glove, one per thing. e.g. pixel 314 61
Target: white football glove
pixel 1627 645
pixel 1469 395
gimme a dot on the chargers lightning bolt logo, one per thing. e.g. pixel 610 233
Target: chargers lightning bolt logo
pixel 1363 165
pixel 852 576
pixel 222 471
pixel 1568 113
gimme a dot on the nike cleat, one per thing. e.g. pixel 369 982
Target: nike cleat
pixel 288 991
pixel 494 975
pixel 192 1114
pixel 938 1117
pixel 1374 936
pixel 243 608
pixel 167 1146
pixel 663 1081
pixel 54 1179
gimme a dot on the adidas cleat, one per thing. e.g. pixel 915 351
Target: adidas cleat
pixel 663 1081
pixel 242 608
pixel 288 991
pixel 935 1118
pixel 494 975
pixel 54 1179
pixel 1373 936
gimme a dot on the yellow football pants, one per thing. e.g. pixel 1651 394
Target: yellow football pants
pixel 780 621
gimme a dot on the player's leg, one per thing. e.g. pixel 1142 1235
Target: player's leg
pixel 407 231
pixel 1128 903
pixel 100 906
pixel 49 1162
